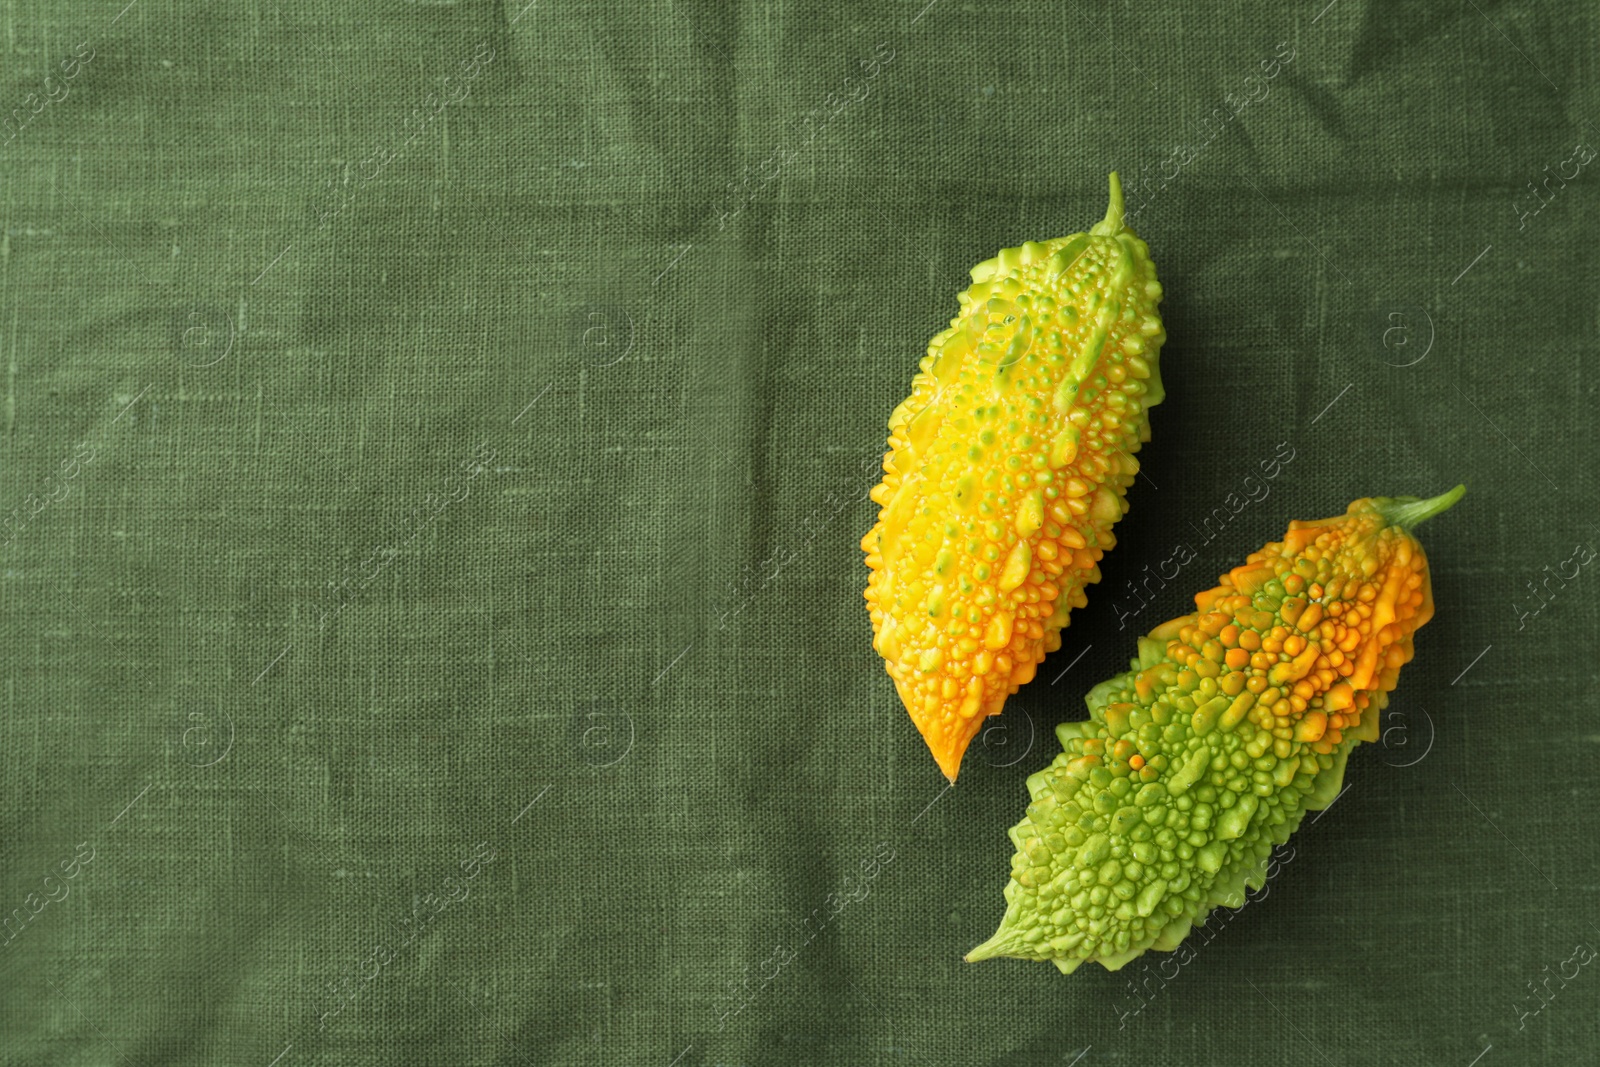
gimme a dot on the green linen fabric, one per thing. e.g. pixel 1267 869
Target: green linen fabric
pixel 435 448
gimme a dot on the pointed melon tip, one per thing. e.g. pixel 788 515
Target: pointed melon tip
pixel 995 947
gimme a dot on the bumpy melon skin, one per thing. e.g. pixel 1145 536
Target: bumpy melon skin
pixel 1233 722
pixel 1007 466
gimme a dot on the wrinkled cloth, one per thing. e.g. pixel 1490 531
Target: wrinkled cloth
pixel 436 445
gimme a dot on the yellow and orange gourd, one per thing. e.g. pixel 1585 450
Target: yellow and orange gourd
pixel 1007 466
pixel 1233 722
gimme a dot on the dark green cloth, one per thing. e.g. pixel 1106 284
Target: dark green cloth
pixel 564 338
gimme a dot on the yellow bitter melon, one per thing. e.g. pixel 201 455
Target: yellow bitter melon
pixel 1234 722
pixel 1007 467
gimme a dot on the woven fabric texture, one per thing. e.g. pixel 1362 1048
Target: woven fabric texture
pixel 436 441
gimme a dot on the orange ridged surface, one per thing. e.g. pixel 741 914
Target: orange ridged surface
pixel 1007 467
pixel 1351 589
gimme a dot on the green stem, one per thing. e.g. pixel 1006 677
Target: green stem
pixel 1408 511
pixel 1112 223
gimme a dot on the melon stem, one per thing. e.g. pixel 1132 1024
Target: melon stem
pixel 1111 225
pixel 1408 511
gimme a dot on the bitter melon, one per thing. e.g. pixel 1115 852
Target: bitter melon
pixel 1007 467
pixel 1233 723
